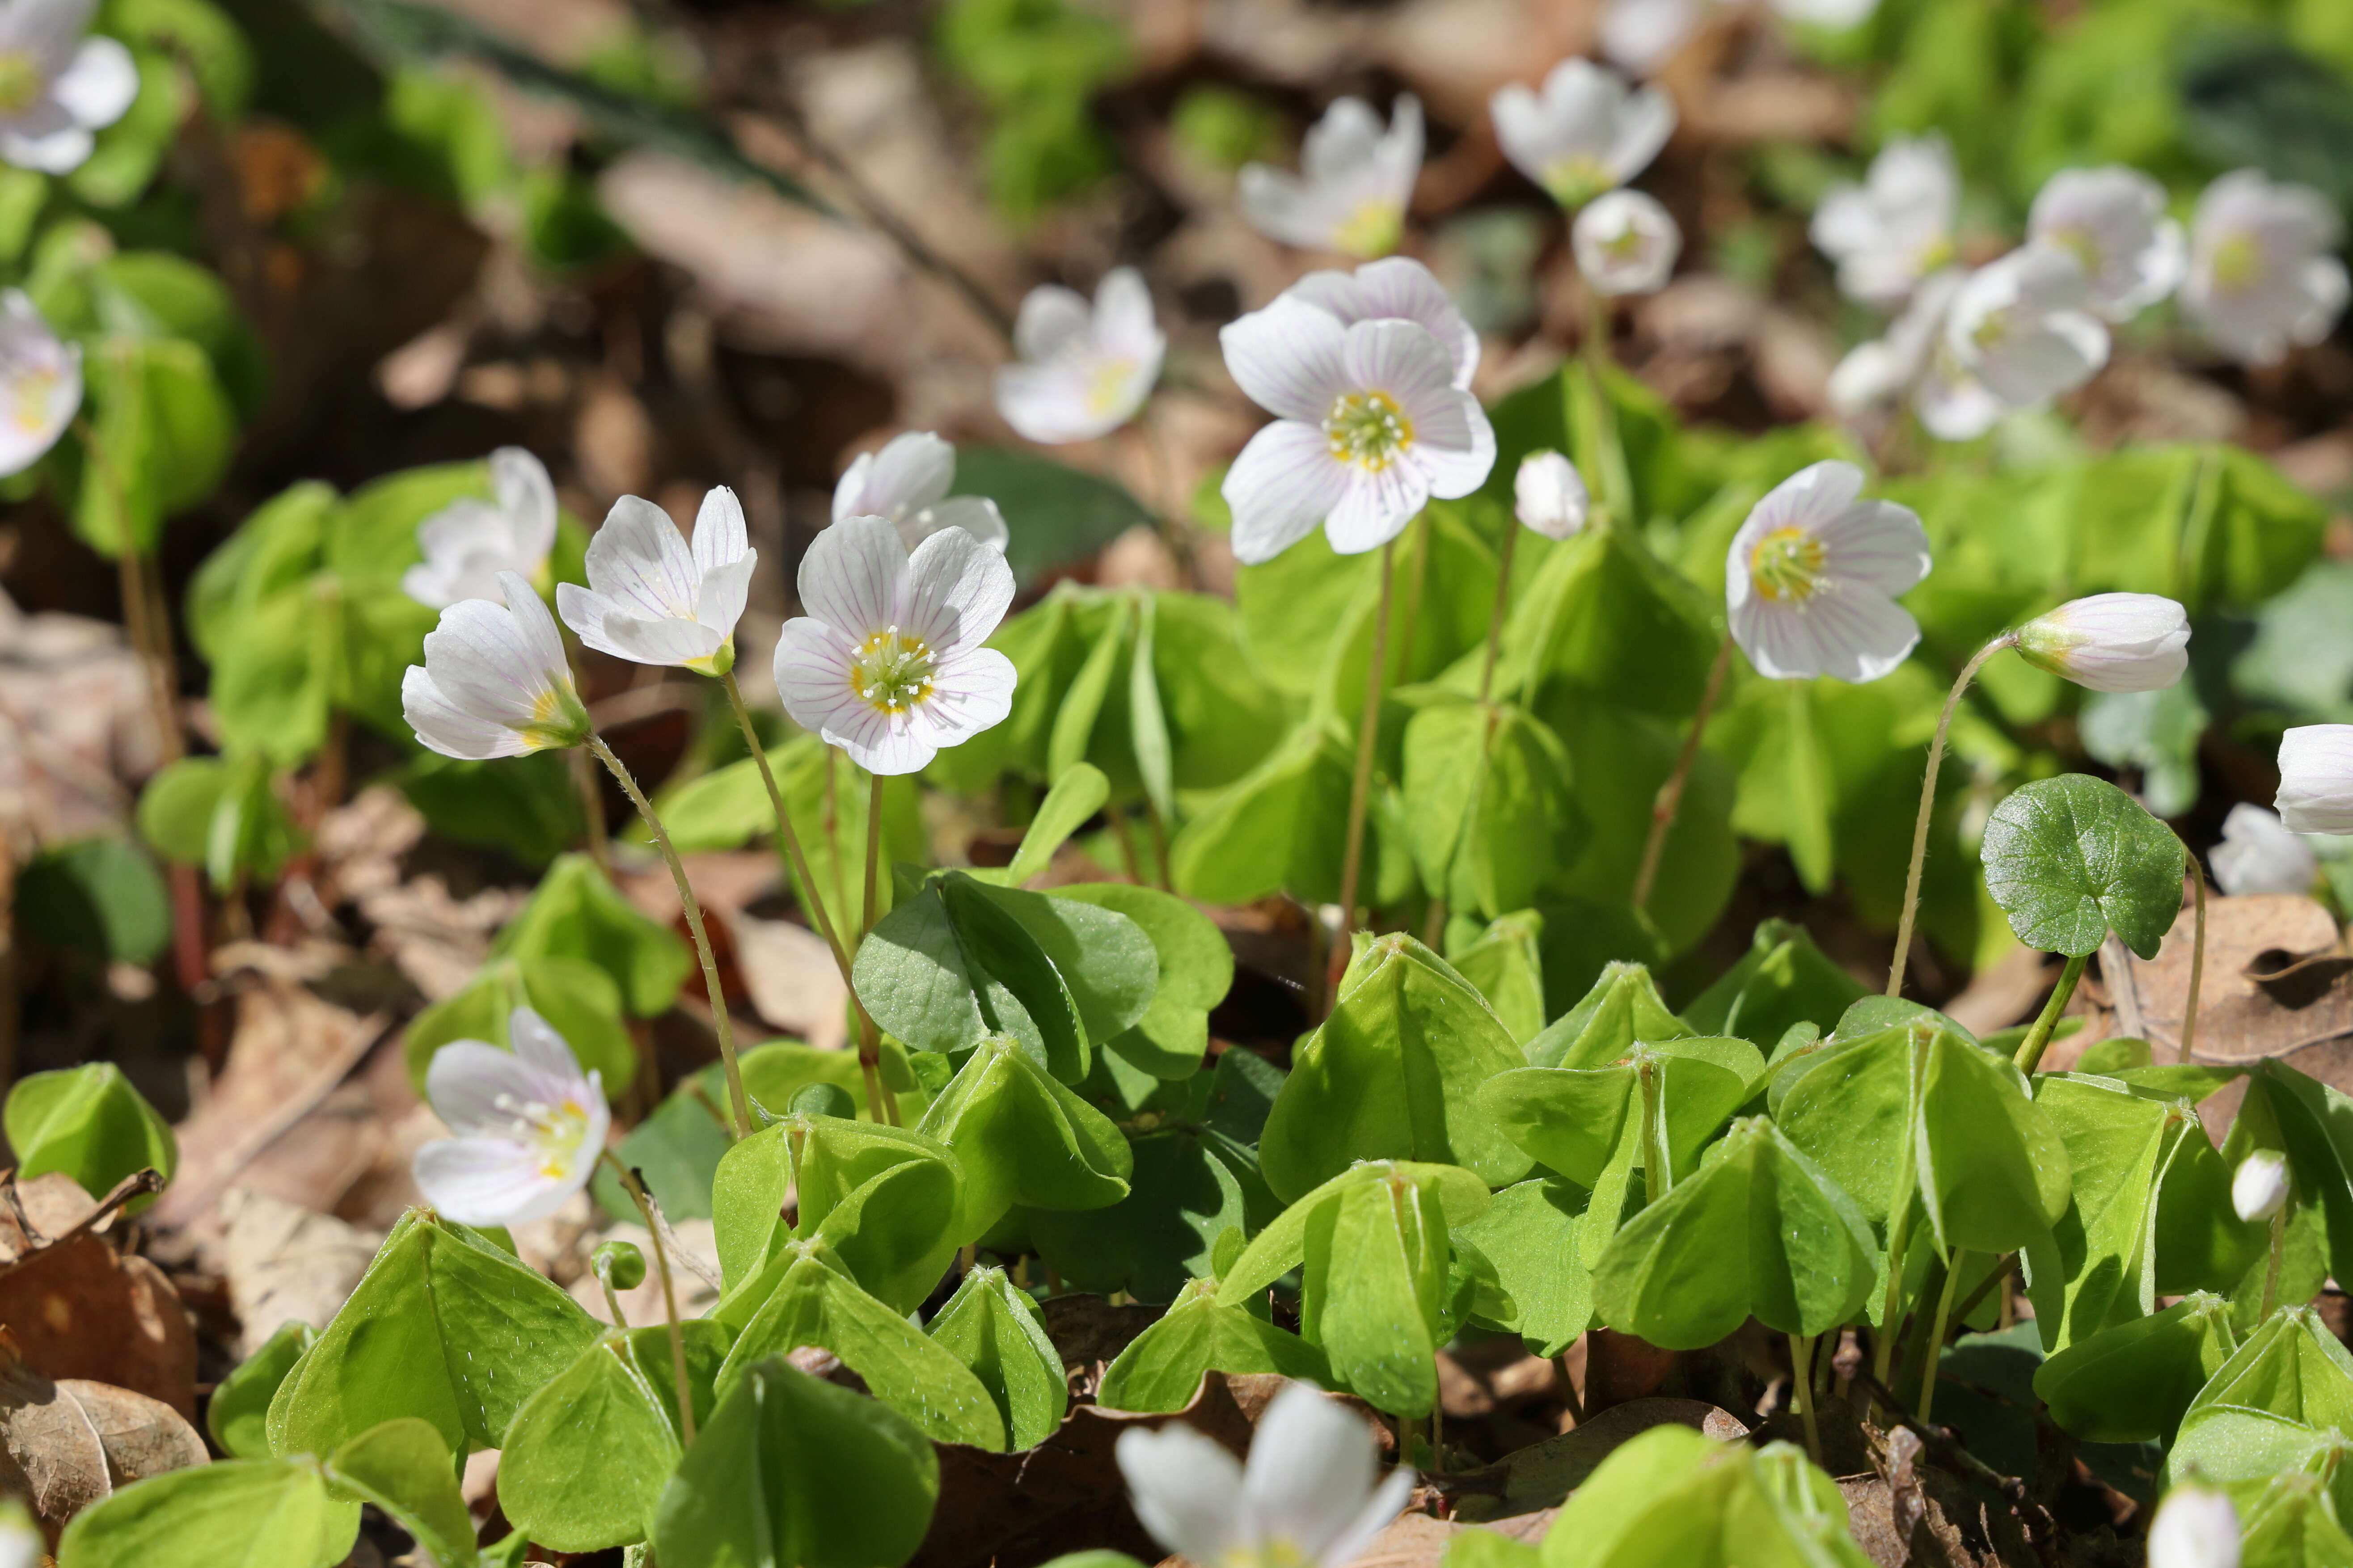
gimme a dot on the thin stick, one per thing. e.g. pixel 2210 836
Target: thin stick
pixel 2197 951
pixel 1927 809
pixel 137 1184
pixel 1936 1336
pixel 2030 1050
pixel 1360 790
pixel 645 1202
pixel 738 1100
pixel 1495 617
pixel 786 835
pixel 1671 794
pixel 873 856
pixel 592 811
pixel 1802 1390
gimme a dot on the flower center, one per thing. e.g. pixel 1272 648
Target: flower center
pixel 1787 566
pixel 1576 179
pixel 1626 246
pixel 29 396
pixel 552 1132
pixel 21 82
pixel 1935 254
pixel 557 718
pixel 1273 1552
pixel 2238 264
pixel 2080 244
pixel 1107 385
pixel 892 673
pixel 1367 429
pixel 1372 230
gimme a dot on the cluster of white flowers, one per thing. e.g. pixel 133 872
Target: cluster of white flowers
pixel 1355 181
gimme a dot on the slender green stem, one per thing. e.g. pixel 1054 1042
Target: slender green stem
pixel 880 1105
pixel 873 857
pixel 1801 1392
pixel 2271 1268
pixel 787 838
pixel 1928 809
pixel 592 811
pixel 2030 1050
pixel 1671 794
pixel 1882 1343
pixel 1598 332
pixel 644 1200
pixel 1934 1358
pixel 613 1303
pixel 738 1100
pixel 1495 617
pixel 2197 951
pixel 1360 789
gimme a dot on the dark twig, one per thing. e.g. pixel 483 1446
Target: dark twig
pixel 137 1184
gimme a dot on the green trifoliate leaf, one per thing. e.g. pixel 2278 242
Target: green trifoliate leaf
pixel 1490 804
pixel 1782 979
pixel 1196 969
pixel 1671 1495
pixel 1282 1246
pixel 2293 1524
pixel 89 1123
pixel 2291 1367
pixel 2130 1382
pixel 1623 1006
pixel 1506 965
pixel 1530 1235
pixel 577 914
pixel 1019 1137
pixel 2097 1267
pixel 2072 859
pixel 236 1514
pixel 1161 1369
pixel 403 1468
pixel 993 1327
pixel 239 1413
pixel 1373 1296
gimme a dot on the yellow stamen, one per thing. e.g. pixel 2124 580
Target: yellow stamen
pixel 1786 565
pixel 1367 429
pixel 1372 230
pixel 2238 264
pixel 892 673
pixel 21 82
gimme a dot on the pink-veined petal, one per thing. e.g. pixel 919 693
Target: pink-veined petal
pixel 640 562
pixel 476 1088
pixel 443 726
pixel 854 577
pixel 491 1181
pixel 1401 358
pixel 814 667
pixel 971 692
pixel 538 1047
pixel 1284 482
pixel 724 589
pixel 1288 359
pixel 1877 543
pixel 958 589
pixel 1376 508
pixel 720 537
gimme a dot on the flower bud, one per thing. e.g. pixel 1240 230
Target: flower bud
pixel 2260 1189
pixel 2111 642
pixel 2316 792
pixel 1626 244
pixel 2195 1528
pixel 619 1265
pixel 2259 854
pixel 1549 495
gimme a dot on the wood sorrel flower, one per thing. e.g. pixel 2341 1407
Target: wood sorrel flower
pixel 40 383
pixel 2111 642
pixel 906 484
pixel 1395 287
pixel 2195 1527
pixel 1626 244
pixel 1812 576
pixel 2112 222
pixel 2258 854
pixel 888 663
pixel 1307 1500
pixel 470 542
pixel 2315 766
pixel 530 1125
pixel 1895 228
pixel 1369 425
pixel 2259 1188
pixel 56 87
pixel 1912 360
pixel 652 600
pixel 495 682
pixel 1588 131
pixel 2021 325
pixel 1084 371
pixel 2262 273
pixel 1549 495
pixel 1354 179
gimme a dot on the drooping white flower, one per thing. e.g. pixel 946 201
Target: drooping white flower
pixel 888 663
pixel 2021 325
pixel 2316 765
pixel 529 1126
pixel 1588 131
pixel 1912 360
pixel 470 542
pixel 2195 1527
pixel 2259 1187
pixel 2113 222
pixel 1811 578
pixel 1369 425
pixel 2259 854
pixel 2263 275
pixel 1308 1499
pixel 1626 244
pixel 906 483
pixel 1898 226
pixel 652 600
pixel 2111 642
pixel 1084 372
pixel 1354 182
pixel 495 682
pixel 57 85
pixel 1395 287
pixel 40 383
pixel 1548 495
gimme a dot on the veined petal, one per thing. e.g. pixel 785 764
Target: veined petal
pixel 1187 1490
pixel 1877 543
pixel 854 576
pixel 720 537
pixel 972 691
pixel 491 1181
pixel 2315 766
pixel 1400 358
pixel 535 625
pixel 724 589
pixel 887 744
pixel 527 498
pixel 1398 287
pixel 98 86
pixel 1288 359
pixel 958 589
pixel 1858 635
pixel 1282 206
pixel 657 639
pixel 1311 1469
pixel 1284 482
pixel 444 726
pixel 538 1047
pixel 814 669
pixel 640 563
pixel 473 1085
pixel 1375 507
pixel 1454 444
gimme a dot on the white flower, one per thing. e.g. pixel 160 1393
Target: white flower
pixel 1369 425
pixel 470 542
pixel 40 383
pixel 2316 765
pixel 1912 360
pixel 56 85
pixel 1084 373
pixel 2113 222
pixel 906 484
pixel 1548 495
pixel 1895 228
pixel 1812 577
pixel 2258 1189
pixel 2195 1527
pixel 1395 287
pixel 529 1126
pixel 1353 182
pixel 1641 35
pixel 650 599
pixel 20 1541
pixel 1626 244
pixel 2020 325
pixel 2111 642
pixel 1307 1500
pixel 2259 854
pixel 2262 275
pixel 1587 133
pixel 888 663
pixel 495 682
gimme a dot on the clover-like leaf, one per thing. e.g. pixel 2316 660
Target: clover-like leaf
pixel 237 1513
pixel 993 1327
pixel 1161 1369
pixel 2072 859
pixel 1021 1137
pixel 2130 1382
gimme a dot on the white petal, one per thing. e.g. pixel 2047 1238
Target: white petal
pixel 2316 792
pixel 1054 320
pixel 888 744
pixel 724 589
pixel 814 670
pixel 1282 206
pixel 1311 1469
pixel 1454 444
pixel 1520 129
pixel 854 577
pixel 471 1082
pixel 1123 320
pixel 493 665
pixel 1857 636
pixel 1048 404
pixel 1344 139
pixel 1641 35
pixel 720 537
pixel 492 1181
pixel 1386 1502
pixel 443 726
pixel 1878 545
pixel 1187 1490
pixel 58 149
pixel 2195 1527
pixel 527 498
pixel 100 85
pixel 1399 287
pixel 641 564
pixel 656 640
pixel 539 1047
pixel 1549 495
pixel 976 515
pixel 1287 359
pixel 1400 358
pixel 1284 482
pixel 972 691
pixel 958 589
pixel 1376 508
pixel 2259 854
pixel 536 626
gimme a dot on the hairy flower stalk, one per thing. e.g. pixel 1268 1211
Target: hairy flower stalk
pixel 1928 809
pixel 1669 798
pixel 636 1187
pixel 1360 784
